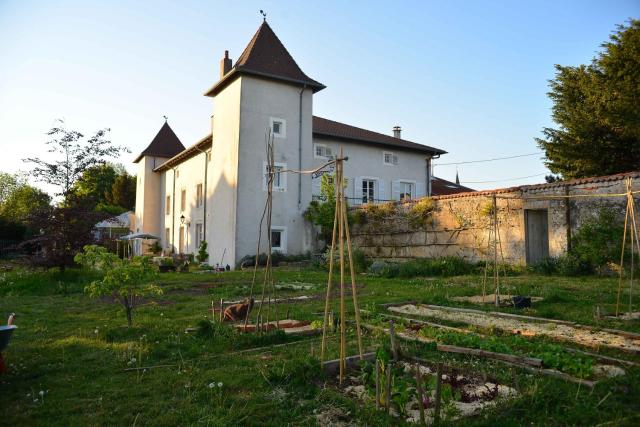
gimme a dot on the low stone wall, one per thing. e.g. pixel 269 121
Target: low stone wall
pixel 459 224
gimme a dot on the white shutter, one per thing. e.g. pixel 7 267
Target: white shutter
pixel 358 191
pixel 315 186
pixel 420 190
pixel 395 190
pixel 382 195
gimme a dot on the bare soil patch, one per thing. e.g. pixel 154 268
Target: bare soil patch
pixel 575 333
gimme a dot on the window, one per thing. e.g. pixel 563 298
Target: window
pixel 167 237
pixel 407 190
pixel 183 200
pixel 198 235
pixel 368 190
pixel 279 239
pixel 389 158
pixel 322 151
pixel 279 178
pixel 278 127
pixel 199 200
pixel 167 207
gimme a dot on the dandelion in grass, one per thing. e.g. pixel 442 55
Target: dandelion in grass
pixel 212 385
pixel 219 384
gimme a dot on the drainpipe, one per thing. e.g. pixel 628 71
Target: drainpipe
pixel 204 196
pixel 430 172
pixel 173 212
pixel 300 148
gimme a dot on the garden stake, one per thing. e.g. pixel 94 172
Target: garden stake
pixel 387 391
pixel 420 394
pixel 329 280
pixel 354 292
pixel 377 383
pixel 496 278
pixel 392 338
pixel 221 310
pixel 436 415
pixel 213 312
pixel 343 310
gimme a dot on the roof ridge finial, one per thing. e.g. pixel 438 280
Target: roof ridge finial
pixel 264 15
pixel 166 119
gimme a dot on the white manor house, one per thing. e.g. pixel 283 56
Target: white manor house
pixel 215 190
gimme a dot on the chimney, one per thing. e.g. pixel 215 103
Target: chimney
pixel 225 64
pixel 396 131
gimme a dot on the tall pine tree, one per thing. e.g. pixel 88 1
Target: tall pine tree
pixel 597 111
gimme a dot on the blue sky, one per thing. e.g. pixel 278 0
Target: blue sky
pixel 467 77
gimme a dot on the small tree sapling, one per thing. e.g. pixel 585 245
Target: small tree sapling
pixel 123 279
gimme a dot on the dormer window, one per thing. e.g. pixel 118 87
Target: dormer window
pixel 389 158
pixel 278 127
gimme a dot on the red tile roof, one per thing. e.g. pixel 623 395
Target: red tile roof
pixel 265 56
pixel 442 187
pixel 165 144
pixel 325 128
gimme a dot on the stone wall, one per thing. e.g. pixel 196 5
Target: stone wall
pixel 459 224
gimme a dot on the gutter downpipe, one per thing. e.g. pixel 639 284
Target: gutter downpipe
pixel 173 213
pixel 430 172
pixel 204 196
pixel 304 87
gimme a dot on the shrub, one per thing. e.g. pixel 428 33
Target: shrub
pixel 123 279
pixel 597 241
pixel 202 252
pixel 360 261
pixel 445 267
pixel 421 211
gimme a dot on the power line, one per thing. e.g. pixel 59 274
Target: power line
pixel 488 160
pixel 503 180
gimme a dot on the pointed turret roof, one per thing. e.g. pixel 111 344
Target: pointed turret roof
pixel 165 144
pixel 265 56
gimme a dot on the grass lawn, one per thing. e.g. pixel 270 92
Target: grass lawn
pixel 75 350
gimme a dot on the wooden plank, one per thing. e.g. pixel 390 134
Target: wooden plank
pixel 529 361
pixel 420 322
pixel 331 367
pixel 601 357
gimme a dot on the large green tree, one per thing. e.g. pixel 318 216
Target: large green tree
pixel 597 111
pixel 123 191
pixel 18 200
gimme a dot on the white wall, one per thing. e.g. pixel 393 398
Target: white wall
pixel 367 161
pixel 148 195
pixel 223 175
pixel 261 101
pixel 189 174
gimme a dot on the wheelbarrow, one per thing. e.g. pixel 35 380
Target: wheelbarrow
pixel 5 335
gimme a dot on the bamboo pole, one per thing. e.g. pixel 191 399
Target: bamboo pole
pixel 624 241
pixel 343 313
pixel 377 383
pixel 354 291
pixel 387 387
pixel 329 283
pixel 496 279
pixel 436 416
pixel 635 234
pixel 392 339
pixel 420 394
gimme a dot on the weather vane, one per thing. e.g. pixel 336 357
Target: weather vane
pixel 165 118
pixel 264 15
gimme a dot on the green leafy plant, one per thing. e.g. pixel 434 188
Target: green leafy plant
pixel 597 241
pixel 125 280
pixel 202 252
pixel 420 212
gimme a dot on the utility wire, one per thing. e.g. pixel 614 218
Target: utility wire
pixel 502 180
pixel 487 160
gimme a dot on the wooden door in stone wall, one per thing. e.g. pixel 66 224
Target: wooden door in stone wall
pixel 536 235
